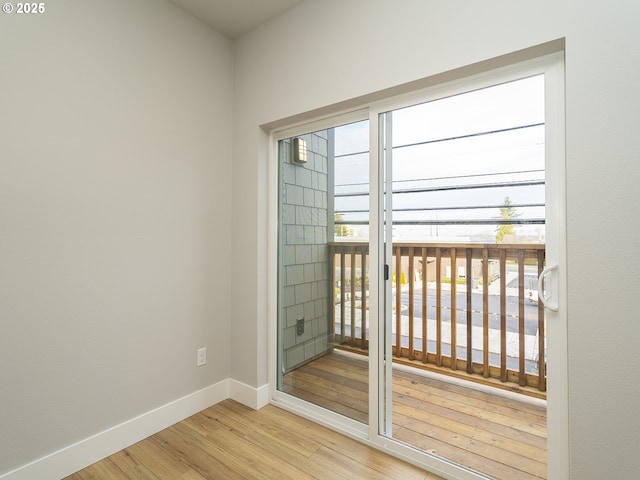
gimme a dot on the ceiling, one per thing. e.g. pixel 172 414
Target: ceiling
pixel 233 18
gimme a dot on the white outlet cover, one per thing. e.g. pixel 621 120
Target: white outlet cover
pixel 202 357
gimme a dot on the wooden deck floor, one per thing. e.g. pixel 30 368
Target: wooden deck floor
pixel 489 431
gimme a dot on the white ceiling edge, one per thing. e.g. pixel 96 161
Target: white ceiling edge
pixel 233 18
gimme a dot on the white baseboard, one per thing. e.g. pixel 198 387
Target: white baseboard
pixel 255 398
pixel 75 457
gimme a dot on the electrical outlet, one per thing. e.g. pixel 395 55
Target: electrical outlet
pixel 202 357
pixel 300 326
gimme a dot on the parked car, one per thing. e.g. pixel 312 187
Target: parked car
pixel 531 288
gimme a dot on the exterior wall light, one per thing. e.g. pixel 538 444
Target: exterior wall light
pixel 299 150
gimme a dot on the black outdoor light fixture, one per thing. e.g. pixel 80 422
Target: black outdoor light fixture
pixel 299 150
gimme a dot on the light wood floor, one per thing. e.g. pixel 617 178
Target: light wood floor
pixel 481 428
pixel 230 441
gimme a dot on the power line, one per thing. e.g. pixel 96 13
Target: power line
pixel 479 221
pixel 453 177
pixel 470 207
pixel 448 139
pixel 470 135
pixel 520 183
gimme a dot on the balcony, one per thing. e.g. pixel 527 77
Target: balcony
pixel 487 291
pixel 468 344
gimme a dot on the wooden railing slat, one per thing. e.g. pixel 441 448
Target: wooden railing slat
pixel 398 302
pixel 425 276
pixel 438 307
pixel 411 306
pixel 454 309
pixel 353 297
pixel 342 298
pixel 469 311
pixel 503 316
pixel 332 300
pixel 542 364
pixel 363 299
pixel 485 312
pixel 521 323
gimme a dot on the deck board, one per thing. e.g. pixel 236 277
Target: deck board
pixel 487 430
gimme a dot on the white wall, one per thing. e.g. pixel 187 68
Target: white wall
pixel 115 185
pixel 330 51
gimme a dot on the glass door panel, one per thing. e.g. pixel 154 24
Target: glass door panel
pixel 465 200
pixel 323 308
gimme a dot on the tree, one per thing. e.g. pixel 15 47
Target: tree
pixel 507 211
pixel 339 230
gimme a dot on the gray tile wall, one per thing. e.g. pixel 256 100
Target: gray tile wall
pixel 304 275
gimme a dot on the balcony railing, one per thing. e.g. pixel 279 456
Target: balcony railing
pixel 469 308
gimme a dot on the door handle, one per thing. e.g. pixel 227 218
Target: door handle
pixel 547 300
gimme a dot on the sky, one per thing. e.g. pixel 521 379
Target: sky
pixel 488 136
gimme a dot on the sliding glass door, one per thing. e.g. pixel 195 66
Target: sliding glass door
pixel 420 274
